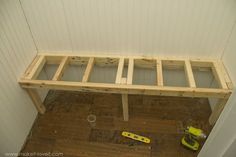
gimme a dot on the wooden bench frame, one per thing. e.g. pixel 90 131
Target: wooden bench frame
pixel 123 85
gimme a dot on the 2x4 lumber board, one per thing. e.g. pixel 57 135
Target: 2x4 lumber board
pixel 77 60
pixel 120 70
pixel 145 63
pixel 94 55
pixel 217 110
pixel 130 71
pixel 107 62
pixel 219 75
pixel 30 67
pixel 123 80
pixel 54 59
pixel 201 63
pixel 171 62
pixel 126 89
pixel 125 106
pixel 159 73
pixel 36 100
pixel 38 66
pixel 85 54
pixel 60 70
pixel 228 81
pixel 189 74
pixel 88 69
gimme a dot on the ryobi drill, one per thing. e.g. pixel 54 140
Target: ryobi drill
pixel 191 136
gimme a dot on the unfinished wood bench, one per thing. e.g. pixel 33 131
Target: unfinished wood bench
pixel 124 84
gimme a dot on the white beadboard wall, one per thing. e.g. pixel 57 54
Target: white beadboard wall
pixel 17 113
pixel 192 28
pixel 221 142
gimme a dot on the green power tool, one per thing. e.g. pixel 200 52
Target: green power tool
pixel 191 136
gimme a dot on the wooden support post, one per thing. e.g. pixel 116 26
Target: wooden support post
pixel 88 70
pixel 60 70
pixel 159 73
pixel 36 100
pixel 122 80
pixel 217 110
pixel 37 68
pixel 130 71
pixel 125 106
pixel 129 81
pixel 120 70
pixel 189 74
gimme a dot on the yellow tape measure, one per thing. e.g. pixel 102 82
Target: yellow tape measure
pixel 136 137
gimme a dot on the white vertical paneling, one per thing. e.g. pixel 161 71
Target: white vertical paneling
pixel 47 22
pixel 231 151
pixel 17 49
pixel 221 139
pixel 155 27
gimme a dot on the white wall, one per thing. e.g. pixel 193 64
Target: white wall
pixel 221 139
pixel 231 151
pixel 17 113
pixel 198 28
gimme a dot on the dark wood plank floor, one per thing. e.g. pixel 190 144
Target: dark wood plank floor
pixel 64 127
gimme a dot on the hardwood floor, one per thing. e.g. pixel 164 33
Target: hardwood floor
pixel 64 129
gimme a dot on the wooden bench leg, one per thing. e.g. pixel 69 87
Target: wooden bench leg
pixel 125 107
pixel 36 100
pixel 217 110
